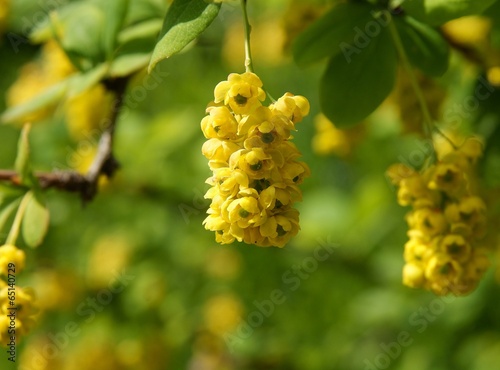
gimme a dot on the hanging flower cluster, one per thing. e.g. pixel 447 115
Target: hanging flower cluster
pixel 17 305
pixel 255 167
pixel 446 252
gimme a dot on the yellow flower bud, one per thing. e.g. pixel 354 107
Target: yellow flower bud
pixel 413 275
pixel 9 254
pixel 242 93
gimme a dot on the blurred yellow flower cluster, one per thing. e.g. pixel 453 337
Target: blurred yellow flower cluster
pixel 407 103
pixel 473 36
pixel 331 140
pixel 52 67
pixel 17 305
pixel 84 113
pixel 255 168
pixel 4 13
pixel 25 314
pixel 446 252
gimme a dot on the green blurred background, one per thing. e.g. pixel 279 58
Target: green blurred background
pixel 186 302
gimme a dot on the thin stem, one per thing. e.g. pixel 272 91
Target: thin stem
pixel 429 125
pixel 16 225
pixel 248 30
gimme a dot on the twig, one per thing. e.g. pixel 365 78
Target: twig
pixel 248 30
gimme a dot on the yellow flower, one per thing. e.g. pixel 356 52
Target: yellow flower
pixel 328 139
pixel 241 92
pixel 255 162
pixel 25 312
pixel 397 172
pixel 418 251
pixel 281 228
pixel 9 254
pixel 227 182
pixel 412 191
pixel 218 152
pixel 265 128
pixel 293 107
pixel 456 247
pixel 443 274
pixel 244 211
pixel 222 313
pixel 413 275
pixel 426 222
pixel 219 124
pixel 449 178
pixel 467 216
pixel 472 148
pixel 293 173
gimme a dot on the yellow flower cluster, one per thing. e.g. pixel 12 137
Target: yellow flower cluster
pixel 12 261
pixel 13 326
pixel 446 252
pixel 255 168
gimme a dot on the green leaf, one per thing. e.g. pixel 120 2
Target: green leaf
pixel 142 30
pixel 132 56
pixel 79 27
pixel 22 165
pixel 9 192
pixel 35 221
pixel 72 86
pixel 437 12
pixel 114 13
pixel 42 31
pixel 128 64
pixel 427 50
pixel 142 10
pixel 81 82
pixel 7 212
pixel 185 20
pixel 357 81
pixel 46 98
pixel 324 38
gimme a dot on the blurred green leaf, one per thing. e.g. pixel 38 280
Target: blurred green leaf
pixel 185 20
pixel 36 220
pixel 325 36
pixel 72 86
pixel 143 10
pixel 79 28
pixel 128 64
pixel 114 13
pixel 7 211
pixel 142 30
pixel 23 164
pixel 437 12
pixel 80 82
pixel 48 97
pixel 426 48
pixel 355 83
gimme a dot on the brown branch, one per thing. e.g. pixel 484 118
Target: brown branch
pixel 65 180
pixel 104 162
